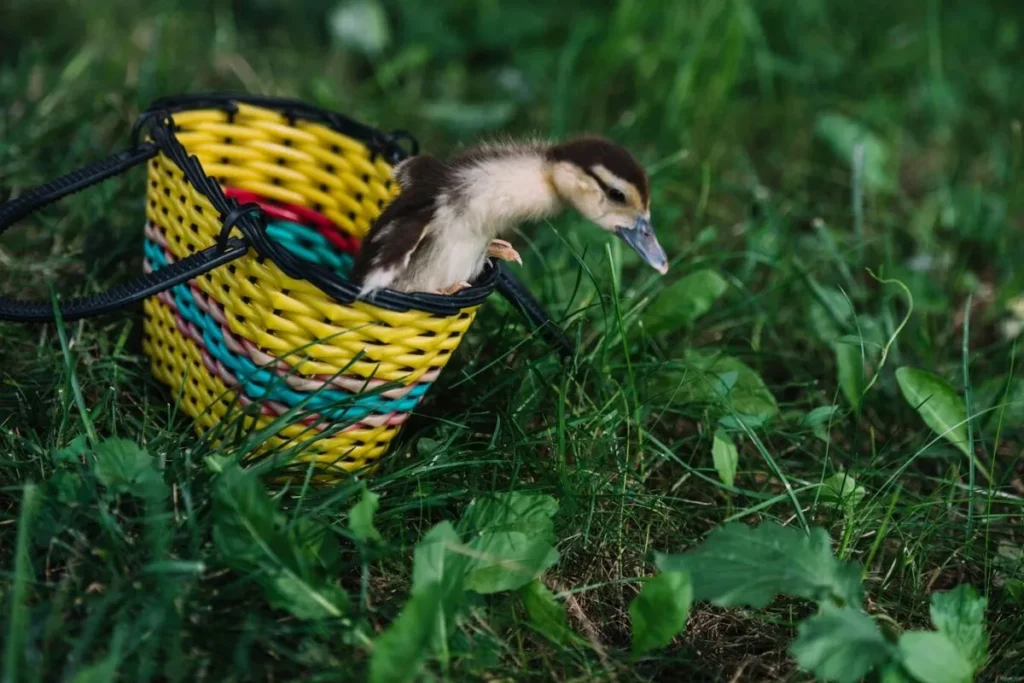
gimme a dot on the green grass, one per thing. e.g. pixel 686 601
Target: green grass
pixel 748 115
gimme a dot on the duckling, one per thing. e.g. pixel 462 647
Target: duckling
pixel 448 218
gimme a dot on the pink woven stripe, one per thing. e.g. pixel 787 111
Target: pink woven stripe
pixel 154 234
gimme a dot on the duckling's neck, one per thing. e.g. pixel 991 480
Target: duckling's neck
pixel 496 193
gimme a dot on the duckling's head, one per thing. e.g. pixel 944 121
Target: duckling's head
pixel 609 187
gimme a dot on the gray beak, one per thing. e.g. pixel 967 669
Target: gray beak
pixel 641 237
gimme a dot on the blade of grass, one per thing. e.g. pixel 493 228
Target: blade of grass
pixel 72 376
pixel 965 359
pixel 17 623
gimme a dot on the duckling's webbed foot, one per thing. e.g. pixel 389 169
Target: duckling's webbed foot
pixel 500 249
pixel 453 288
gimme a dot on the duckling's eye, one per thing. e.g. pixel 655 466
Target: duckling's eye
pixel 616 195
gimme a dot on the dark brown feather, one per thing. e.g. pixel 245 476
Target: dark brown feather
pixel 590 151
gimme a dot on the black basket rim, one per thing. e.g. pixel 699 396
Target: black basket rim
pixel 158 119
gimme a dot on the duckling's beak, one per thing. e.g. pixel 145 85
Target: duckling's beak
pixel 641 237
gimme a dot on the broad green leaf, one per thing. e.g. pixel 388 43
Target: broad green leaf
pixel 512 511
pixel 440 565
pixel 960 615
pixel 508 560
pixel 893 672
pixel 249 535
pixel 246 522
pixel 739 421
pixel 286 590
pixel 724 453
pixel 850 367
pixel 440 559
pixel 930 657
pixel 937 403
pixel 842 491
pixel 840 644
pixel 512 542
pixel 546 614
pixel 660 610
pixel 741 565
pixel 70 487
pixel 718 382
pixel 845 135
pixel 401 651
pixel 830 312
pixel 74 451
pixel 360 517
pixel 819 416
pixel 318 542
pixel 681 303
pixel 123 467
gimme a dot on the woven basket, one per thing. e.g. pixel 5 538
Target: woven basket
pixel 254 210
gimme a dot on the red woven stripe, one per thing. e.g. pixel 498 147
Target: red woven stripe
pixel 298 214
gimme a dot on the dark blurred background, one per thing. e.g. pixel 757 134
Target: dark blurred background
pixel 725 101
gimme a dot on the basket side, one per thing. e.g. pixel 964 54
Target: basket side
pixel 249 345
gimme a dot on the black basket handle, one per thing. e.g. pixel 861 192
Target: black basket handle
pixel 120 295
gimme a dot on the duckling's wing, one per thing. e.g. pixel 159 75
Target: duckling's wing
pixel 402 226
pixel 425 174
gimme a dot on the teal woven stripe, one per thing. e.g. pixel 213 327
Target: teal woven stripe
pixel 309 245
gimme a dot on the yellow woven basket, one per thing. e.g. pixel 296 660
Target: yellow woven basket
pixel 254 211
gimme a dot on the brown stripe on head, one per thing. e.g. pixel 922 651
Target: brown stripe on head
pixel 593 152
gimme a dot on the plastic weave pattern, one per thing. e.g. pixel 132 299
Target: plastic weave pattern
pixel 255 208
pixel 248 333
